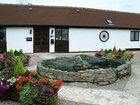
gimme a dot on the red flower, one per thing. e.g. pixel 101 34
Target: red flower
pixel 51 91
pixel 32 73
pixel 19 87
pixel 99 54
pixel 21 79
pixel 116 52
pixel 44 80
pixel 57 87
pixel 57 84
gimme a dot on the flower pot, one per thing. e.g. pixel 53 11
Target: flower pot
pixel 43 99
pixel 47 99
pixel 13 94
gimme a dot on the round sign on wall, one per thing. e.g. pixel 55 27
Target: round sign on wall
pixel 104 36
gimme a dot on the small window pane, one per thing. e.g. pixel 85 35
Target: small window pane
pixel 132 36
pixel 61 34
pixel 65 37
pixel 58 34
pixel 137 36
pixel 64 34
pixel 64 31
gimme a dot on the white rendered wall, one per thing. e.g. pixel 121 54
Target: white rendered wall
pixel 51 37
pixel 16 39
pixel 85 39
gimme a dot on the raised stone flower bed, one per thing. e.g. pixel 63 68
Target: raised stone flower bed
pixel 101 76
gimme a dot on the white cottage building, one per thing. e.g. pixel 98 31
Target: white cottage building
pixel 66 29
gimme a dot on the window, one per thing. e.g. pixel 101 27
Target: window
pixel 109 22
pixel 61 34
pixel 134 36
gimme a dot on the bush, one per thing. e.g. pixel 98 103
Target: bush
pixel 115 54
pixel 11 53
pixel 111 56
pixel 19 68
pixel 99 54
pixel 29 95
pixel 127 55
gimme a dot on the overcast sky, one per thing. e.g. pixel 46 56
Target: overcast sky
pixel 119 5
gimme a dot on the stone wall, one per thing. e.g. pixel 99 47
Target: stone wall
pixel 100 76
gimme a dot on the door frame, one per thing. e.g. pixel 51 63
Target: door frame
pixel 61 43
pixel 34 33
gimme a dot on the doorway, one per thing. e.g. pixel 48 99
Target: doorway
pixel 61 40
pixel 41 39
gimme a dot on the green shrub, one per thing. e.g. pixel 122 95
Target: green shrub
pixel 114 48
pixel 23 58
pixel 111 56
pixel 17 53
pixel 11 53
pixel 127 55
pixel 19 68
pixel 29 95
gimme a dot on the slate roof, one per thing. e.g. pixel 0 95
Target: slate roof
pixel 32 15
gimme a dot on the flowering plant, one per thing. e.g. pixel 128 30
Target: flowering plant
pixel 4 85
pixel 37 81
pixel 115 54
pixel 99 54
pixel 29 84
pixel 33 85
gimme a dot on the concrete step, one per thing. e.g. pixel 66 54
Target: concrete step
pixel 69 95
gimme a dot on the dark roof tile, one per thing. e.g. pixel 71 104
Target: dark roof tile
pixel 66 16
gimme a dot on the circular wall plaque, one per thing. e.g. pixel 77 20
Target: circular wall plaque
pixel 104 36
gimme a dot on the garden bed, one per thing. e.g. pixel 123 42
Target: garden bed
pixel 104 68
pixel 24 86
pixel 101 76
pixel 43 99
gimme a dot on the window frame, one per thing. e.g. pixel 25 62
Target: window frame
pixel 134 33
pixel 61 34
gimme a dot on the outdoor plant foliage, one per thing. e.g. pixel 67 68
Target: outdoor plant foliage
pixel 115 54
pixel 28 84
pixel 8 59
pixel 32 85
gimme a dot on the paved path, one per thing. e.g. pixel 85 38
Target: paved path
pixel 97 96
pixel 133 84
pixel 123 92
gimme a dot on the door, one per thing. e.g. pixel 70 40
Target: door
pixel 61 40
pixel 2 40
pixel 41 39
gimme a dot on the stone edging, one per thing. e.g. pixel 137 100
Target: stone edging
pixel 99 76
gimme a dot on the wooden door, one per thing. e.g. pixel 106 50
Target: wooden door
pixel 61 40
pixel 41 39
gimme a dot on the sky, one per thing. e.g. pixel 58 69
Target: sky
pixel 117 5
